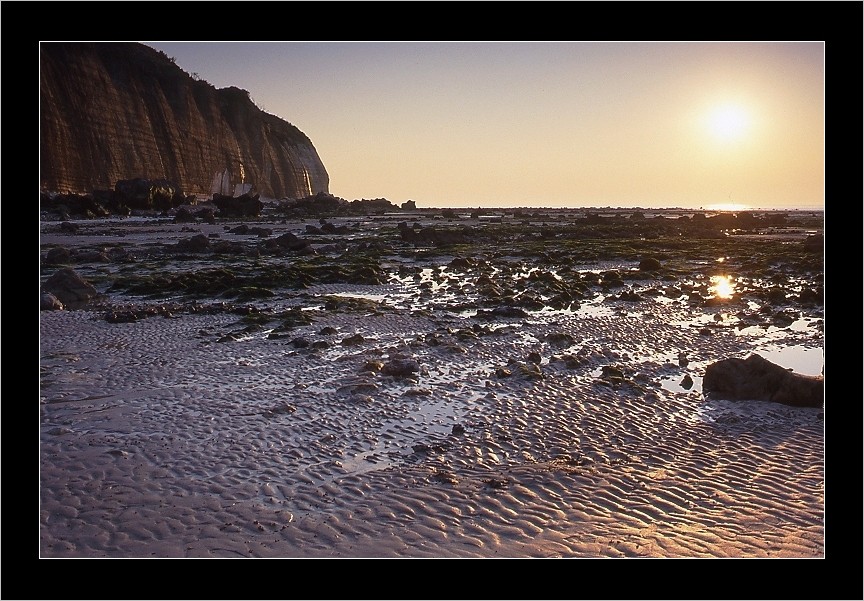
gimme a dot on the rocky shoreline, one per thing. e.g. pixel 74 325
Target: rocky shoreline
pixel 421 384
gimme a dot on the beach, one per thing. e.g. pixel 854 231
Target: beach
pixel 423 397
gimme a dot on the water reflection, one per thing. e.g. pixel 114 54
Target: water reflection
pixel 722 286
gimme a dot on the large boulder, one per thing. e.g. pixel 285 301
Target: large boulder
pixel 245 205
pixel 69 287
pixel 148 194
pixel 755 378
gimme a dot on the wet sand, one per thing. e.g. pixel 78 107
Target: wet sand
pixel 195 436
pixel 159 441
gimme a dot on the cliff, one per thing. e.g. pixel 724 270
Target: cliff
pixel 113 111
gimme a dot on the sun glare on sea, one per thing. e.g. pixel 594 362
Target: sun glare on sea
pixel 727 206
pixel 722 286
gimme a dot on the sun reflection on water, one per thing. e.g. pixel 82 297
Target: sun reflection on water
pixel 722 286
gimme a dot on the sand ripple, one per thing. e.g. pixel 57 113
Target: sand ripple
pixel 159 440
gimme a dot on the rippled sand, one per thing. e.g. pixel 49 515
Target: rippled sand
pixel 157 440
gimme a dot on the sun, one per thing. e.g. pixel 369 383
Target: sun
pixel 728 122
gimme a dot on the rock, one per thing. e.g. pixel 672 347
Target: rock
pixel 756 378
pixel 373 366
pixel 814 242
pixel 69 287
pixel 525 370
pixel 357 387
pixel 503 311
pixel 400 367
pixel 184 215
pixel 245 205
pixel 207 215
pixel 560 339
pixel 196 244
pixel 649 264
pixel 611 372
pixel 353 340
pixel 50 302
pixel 287 241
pixel 92 256
pixel 147 194
pixel 58 256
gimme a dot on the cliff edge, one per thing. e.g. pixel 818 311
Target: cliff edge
pixel 117 110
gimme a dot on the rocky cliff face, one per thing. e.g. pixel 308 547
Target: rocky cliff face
pixel 113 111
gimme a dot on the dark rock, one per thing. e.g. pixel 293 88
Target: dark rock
pixel 374 366
pixel 400 367
pixel 814 242
pixel 58 256
pixel 92 256
pixel 502 312
pixel 49 302
pixel 146 194
pixel 611 372
pixel 649 264
pixel 287 241
pixel 74 204
pixel 776 295
pixel 199 243
pixel 245 205
pixel 69 287
pixel 810 296
pixel 207 215
pixel 225 247
pixel 261 232
pixel 756 378
pixel 184 215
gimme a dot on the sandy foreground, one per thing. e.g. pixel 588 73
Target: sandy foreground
pixel 158 441
pixel 190 436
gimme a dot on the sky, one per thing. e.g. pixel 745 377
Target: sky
pixel 545 124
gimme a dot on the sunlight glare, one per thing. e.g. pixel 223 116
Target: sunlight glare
pixel 728 122
pixel 722 286
pixel 727 206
